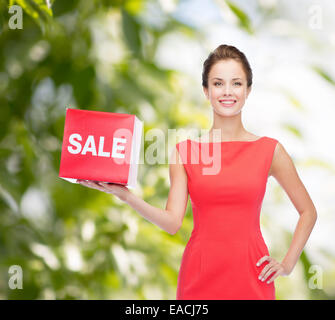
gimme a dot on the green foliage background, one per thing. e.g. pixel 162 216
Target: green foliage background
pixel 52 53
pixel 50 64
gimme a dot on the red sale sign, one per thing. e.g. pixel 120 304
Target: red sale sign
pixel 101 146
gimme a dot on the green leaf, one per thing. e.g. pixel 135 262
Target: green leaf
pixel 243 18
pixel 134 6
pixel 291 97
pixel 323 74
pixel 35 8
pixel 38 10
pixel 131 31
pixel 293 130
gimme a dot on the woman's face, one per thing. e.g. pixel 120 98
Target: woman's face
pixel 227 87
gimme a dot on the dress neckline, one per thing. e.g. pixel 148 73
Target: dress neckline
pixel 246 141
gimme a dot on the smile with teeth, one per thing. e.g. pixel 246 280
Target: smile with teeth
pixel 227 103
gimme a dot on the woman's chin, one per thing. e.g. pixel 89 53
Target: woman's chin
pixel 226 112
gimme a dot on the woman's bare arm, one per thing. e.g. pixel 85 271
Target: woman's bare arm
pixel 169 219
pixel 284 171
pixel 286 174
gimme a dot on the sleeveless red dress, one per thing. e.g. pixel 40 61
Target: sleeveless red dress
pixel 226 183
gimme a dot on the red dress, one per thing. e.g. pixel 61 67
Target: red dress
pixel 226 181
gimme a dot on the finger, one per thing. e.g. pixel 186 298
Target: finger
pixel 107 185
pixel 83 182
pixel 263 259
pixel 269 272
pixel 99 187
pixel 264 271
pixel 274 276
pixel 271 263
pixel 103 184
pixel 93 185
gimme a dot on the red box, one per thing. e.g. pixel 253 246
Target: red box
pixel 101 146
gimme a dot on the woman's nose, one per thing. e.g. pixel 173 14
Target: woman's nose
pixel 227 89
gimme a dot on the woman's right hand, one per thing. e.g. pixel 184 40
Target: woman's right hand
pixel 118 190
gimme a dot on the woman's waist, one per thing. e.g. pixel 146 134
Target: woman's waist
pixel 227 235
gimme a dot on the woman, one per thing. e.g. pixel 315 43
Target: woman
pixel 226 256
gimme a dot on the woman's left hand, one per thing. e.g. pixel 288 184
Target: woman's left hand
pixel 279 269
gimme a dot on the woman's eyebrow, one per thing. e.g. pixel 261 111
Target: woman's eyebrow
pixel 222 79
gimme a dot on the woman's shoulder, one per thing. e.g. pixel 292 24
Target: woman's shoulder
pixel 273 140
pixel 254 137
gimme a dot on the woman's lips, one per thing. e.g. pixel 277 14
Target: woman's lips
pixel 227 103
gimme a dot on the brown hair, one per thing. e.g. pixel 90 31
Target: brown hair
pixel 226 52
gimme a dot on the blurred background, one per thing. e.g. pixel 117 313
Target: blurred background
pixel 145 57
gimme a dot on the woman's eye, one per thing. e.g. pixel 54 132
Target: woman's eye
pixel 236 83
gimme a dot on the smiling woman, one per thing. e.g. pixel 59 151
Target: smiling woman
pixel 226 256
pixel 226 80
